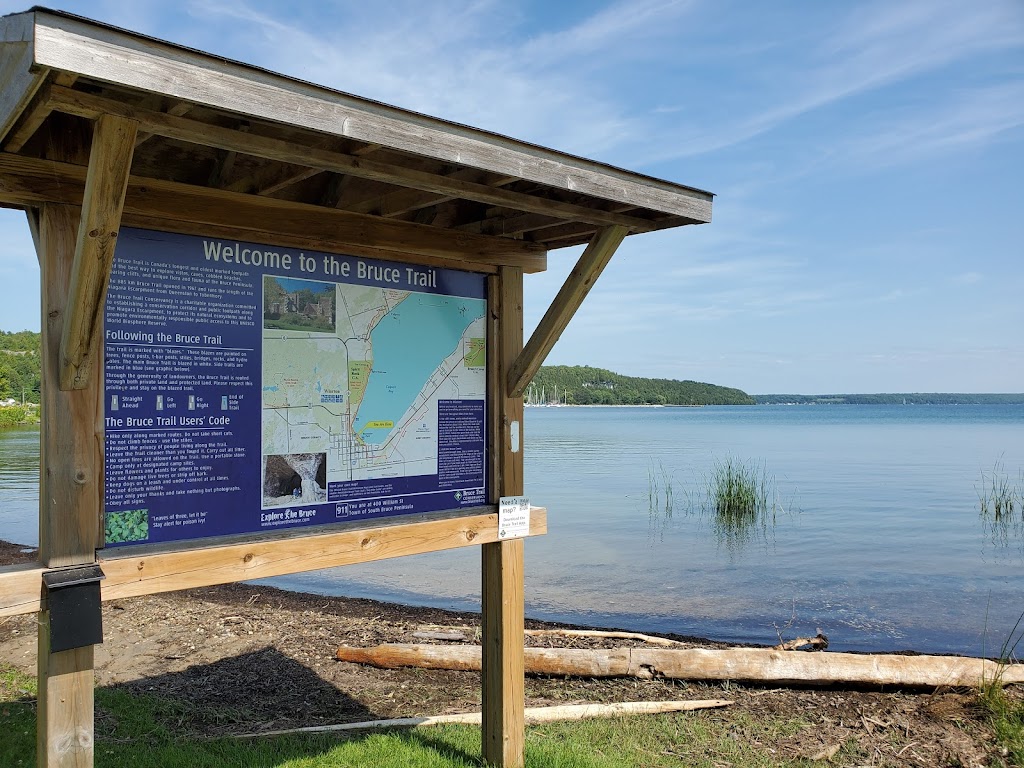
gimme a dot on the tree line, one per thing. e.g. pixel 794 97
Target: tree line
pixel 896 398
pixel 20 366
pixel 584 385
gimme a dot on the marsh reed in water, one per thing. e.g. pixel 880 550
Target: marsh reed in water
pixel 737 498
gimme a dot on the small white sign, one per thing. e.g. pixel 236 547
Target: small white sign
pixel 513 517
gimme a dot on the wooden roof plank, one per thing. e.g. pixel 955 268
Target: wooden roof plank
pixel 106 182
pixel 184 129
pixel 29 182
pixel 32 117
pixel 20 77
pixel 406 200
pixel 120 57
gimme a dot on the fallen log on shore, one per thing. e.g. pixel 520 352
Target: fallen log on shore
pixel 739 664
pixel 603 634
pixel 532 716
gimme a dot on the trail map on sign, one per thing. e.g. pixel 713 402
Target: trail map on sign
pixel 365 389
pixel 251 388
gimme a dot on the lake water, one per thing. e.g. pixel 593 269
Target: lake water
pixel 435 325
pixel 879 542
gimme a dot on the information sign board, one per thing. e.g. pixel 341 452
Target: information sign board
pixel 251 388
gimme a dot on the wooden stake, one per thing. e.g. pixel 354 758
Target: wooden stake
pixel 534 716
pixel 504 697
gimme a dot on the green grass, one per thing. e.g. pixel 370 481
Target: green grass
pixel 1007 719
pixel 742 499
pixel 151 732
pixel 660 498
pixel 1001 504
pixel 1005 714
pixel 997 496
pixel 738 498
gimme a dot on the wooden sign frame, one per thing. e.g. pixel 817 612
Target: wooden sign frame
pixel 103 128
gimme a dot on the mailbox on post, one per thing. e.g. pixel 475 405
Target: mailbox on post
pixel 73 600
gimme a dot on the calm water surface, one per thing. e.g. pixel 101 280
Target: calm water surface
pixel 880 544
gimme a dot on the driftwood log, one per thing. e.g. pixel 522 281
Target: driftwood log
pixel 817 643
pixel 455 636
pixel 600 633
pixel 740 664
pixel 532 715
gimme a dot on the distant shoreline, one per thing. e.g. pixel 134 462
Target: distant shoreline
pixel 895 398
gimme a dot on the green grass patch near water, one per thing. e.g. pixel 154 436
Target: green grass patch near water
pixel 150 732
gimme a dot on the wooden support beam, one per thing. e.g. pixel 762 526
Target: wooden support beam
pixel 110 161
pixel 205 134
pixel 497 222
pixel 32 214
pixel 129 575
pixel 70 477
pixel 577 285
pixel 30 121
pixel 272 178
pixel 502 609
pixel 28 182
pixel 406 200
pixel 180 109
pixel 505 226
pixel 71 449
pixel 302 240
pixel 71 491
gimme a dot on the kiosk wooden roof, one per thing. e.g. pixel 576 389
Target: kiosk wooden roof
pixel 224 148
pixel 101 127
pixel 217 129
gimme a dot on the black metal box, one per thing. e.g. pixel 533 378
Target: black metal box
pixel 73 600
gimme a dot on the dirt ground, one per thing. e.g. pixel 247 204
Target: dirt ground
pixel 249 658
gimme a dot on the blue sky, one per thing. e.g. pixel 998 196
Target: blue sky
pixel 868 162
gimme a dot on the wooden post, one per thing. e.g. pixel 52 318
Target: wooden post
pixel 503 729
pixel 70 500
pixel 71 438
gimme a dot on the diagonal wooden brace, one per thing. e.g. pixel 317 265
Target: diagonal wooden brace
pixel 110 160
pixel 577 285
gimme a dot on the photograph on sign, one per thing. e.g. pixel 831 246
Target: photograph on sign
pixel 251 388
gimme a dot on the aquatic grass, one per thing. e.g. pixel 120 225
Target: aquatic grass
pixel 738 499
pixel 660 498
pixel 997 496
pixel 999 501
pixel 742 498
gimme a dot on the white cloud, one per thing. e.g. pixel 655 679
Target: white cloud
pixel 873 47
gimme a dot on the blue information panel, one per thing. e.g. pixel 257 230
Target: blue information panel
pixel 251 388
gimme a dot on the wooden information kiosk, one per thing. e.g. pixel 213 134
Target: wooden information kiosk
pixel 307 350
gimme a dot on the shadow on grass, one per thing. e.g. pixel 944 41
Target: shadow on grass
pixel 189 718
pixel 260 690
